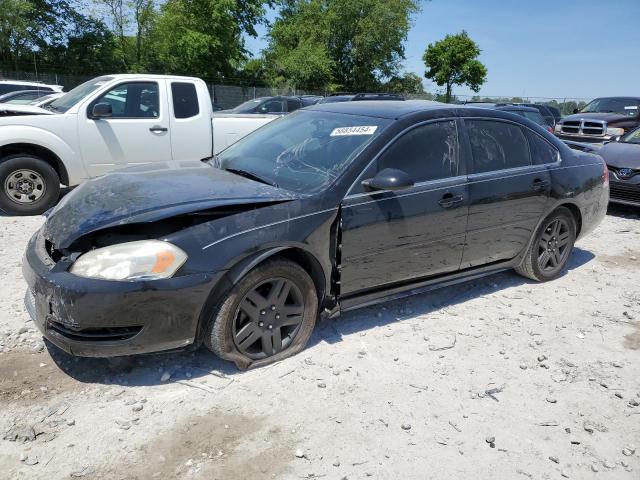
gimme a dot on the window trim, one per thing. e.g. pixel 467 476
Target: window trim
pixel 102 94
pixel 461 173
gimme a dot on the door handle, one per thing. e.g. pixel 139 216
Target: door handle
pixel 158 129
pixel 449 200
pixel 539 184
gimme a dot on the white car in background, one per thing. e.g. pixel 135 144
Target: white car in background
pixel 8 86
pixel 108 123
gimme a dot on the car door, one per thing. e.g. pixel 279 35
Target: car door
pixel 136 132
pixel 190 122
pixel 293 104
pixel 508 193
pixel 397 236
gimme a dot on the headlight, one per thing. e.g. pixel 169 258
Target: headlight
pixel 558 127
pixel 141 260
pixel 615 132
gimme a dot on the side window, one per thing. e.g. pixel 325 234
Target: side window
pixel 133 100
pixel 272 106
pixel 497 145
pixel 542 151
pixel 428 152
pixel 185 100
pixel 293 105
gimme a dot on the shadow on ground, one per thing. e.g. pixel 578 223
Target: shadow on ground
pixel 191 366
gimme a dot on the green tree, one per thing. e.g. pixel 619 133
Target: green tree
pixel 409 83
pixel 203 37
pixel 338 44
pixel 454 61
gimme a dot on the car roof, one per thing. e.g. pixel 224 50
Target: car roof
pixel 517 108
pixel 391 109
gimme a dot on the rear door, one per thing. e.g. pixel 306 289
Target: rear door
pixel 137 132
pixel 390 237
pixel 190 121
pixel 508 192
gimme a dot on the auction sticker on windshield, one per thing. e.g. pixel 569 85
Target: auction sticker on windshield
pixel 347 131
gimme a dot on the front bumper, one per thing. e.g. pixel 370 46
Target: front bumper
pixel 100 318
pixel 625 192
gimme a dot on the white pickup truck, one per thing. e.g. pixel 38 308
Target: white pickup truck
pixel 107 123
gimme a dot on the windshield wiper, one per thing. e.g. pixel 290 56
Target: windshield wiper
pixel 250 176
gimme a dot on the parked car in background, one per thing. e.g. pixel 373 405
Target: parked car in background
pixel 334 207
pixel 601 120
pixel 7 86
pixel 107 123
pixel 279 105
pixel 354 97
pixel 46 100
pixel 22 97
pixel 544 110
pixel 526 112
pixel 623 160
pixel 557 115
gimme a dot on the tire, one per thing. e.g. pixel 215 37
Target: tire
pixel 544 266
pixel 247 324
pixel 28 185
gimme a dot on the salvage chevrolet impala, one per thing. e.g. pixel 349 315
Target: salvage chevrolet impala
pixel 331 208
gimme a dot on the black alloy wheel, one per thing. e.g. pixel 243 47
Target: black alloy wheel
pixel 268 315
pixel 550 247
pixel 268 318
pixel 554 245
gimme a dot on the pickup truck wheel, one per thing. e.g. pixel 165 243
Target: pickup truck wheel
pixel 28 185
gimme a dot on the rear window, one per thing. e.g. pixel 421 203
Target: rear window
pixel 15 87
pixel 497 145
pixel 185 100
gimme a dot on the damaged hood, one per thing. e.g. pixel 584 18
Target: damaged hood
pixel 148 193
pixel 8 109
pixel 621 155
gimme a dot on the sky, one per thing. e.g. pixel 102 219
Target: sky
pixel 534 48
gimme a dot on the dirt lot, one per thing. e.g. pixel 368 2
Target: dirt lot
pixel 496 379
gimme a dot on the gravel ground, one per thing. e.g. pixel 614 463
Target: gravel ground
pixel 499 378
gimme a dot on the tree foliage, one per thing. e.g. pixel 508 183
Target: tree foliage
pixel 454 61
pixel 350 45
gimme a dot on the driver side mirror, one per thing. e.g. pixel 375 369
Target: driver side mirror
pixel 388 179
pixel 615 139
pixel 575 110
pixel 101 110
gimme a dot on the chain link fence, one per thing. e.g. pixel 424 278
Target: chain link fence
pixel 224 96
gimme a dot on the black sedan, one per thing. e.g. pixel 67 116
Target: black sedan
pixel 328 209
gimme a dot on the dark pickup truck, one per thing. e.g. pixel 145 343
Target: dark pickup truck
pixel 601 120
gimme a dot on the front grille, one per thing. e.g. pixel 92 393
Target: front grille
pixel 103 334
pixel 584 127
pixel 628 193
pixel 571 127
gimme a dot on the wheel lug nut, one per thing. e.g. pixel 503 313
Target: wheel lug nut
pixel 270 327
pixel 261 324
pixel 262 312
pixel 277 316
pixel 273 307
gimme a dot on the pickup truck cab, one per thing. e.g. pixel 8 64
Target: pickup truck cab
pixel 107 123
pixel 601 120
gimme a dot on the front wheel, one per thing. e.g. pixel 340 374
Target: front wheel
pixel 551 247
pixel 267 316
pixel 28 185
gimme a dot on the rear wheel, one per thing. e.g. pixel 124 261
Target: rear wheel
pixel 269 315
pixel 28 185
pixel 551 247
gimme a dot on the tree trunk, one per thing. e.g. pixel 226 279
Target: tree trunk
pixel 448 94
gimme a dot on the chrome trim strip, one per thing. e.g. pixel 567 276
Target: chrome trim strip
pixel 267 225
